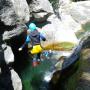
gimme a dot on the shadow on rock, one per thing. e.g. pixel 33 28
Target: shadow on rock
pixel 5 79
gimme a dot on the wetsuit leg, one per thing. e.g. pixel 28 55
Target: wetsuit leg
pixel 38 55
pixel 34 57
pixel 34 61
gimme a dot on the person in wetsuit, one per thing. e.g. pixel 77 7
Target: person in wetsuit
pixel 34 37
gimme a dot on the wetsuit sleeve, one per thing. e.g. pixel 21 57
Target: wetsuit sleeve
pixel 26 42
pixel 42 37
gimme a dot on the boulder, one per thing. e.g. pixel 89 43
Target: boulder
pixel 7 14
pixel 8 54
pixel 9 79
pixel 56 32
pixel 67 19
pixel 22 10
pixel 75 14
pixel 19 29
pixel 80 11
pixel 16 81
pixel 40 10
pixel 13 12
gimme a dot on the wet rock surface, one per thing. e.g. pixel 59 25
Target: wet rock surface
pixel 84 83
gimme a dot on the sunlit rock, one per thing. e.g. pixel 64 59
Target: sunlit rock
pixel 64 2
pixel 56 33
pixel 7 13
pixel 80 11
pixel 40 10
pixel 14 12
pixel 8 54
pixel 16 81
pixel 75 14
pixel 22 10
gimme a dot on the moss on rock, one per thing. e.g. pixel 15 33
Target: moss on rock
pixel 60 46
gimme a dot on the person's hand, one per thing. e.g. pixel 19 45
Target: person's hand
pixel 20 49
pixel 28 32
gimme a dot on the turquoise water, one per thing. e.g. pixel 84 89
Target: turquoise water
pixel 32 76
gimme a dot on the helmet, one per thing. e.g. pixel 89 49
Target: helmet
pixel 32 26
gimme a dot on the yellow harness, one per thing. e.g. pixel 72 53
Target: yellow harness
pixel 36 49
